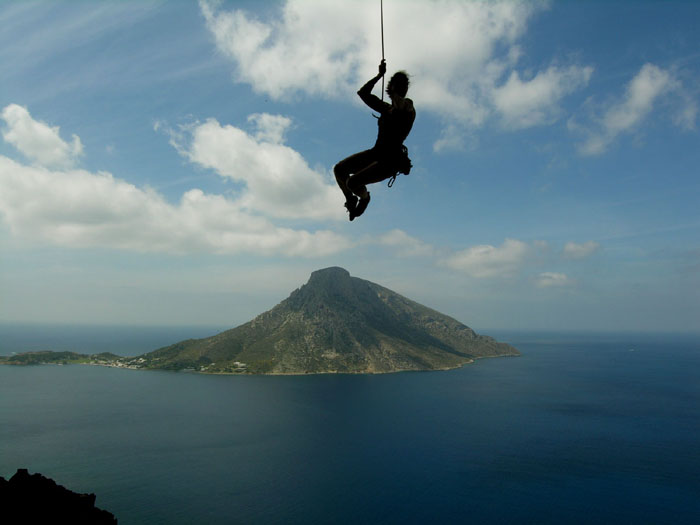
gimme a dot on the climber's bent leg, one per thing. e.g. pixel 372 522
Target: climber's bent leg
pixel 375 172
pixel 352 164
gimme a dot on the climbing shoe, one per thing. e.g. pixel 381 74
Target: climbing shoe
pixel 351 206
pixel 361 206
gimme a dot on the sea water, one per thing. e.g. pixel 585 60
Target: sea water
pixel 579 429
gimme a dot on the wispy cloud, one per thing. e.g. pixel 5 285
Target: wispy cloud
pixel 65 26
pixel 485 260
pixel 573 250
pixel 626 114
pixel 553 279
pixel 527 103
pixel 451 139
pixel 515 258
pixel 405 245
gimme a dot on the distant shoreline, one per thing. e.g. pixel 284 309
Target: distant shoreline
pixel 225 373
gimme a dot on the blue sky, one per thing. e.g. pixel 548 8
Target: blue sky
pixel 171 162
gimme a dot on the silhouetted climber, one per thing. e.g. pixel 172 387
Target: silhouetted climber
pixel 388 156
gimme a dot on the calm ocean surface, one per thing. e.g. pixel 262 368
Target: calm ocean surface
pixel 580 429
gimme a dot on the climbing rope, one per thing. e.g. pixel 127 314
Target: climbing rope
pixel 381 15
pixel 391 181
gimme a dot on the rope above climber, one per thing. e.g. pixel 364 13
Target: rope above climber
pixel 388 156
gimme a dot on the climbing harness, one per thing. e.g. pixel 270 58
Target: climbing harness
pixel 403 165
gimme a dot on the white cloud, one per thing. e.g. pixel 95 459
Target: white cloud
pixel 529 103
pixel 451 139
pixel 573 250
pixel 405 244
pixel 687 113
pixel 270 128
pixel 277 180
pixel 72 207
pixel 490 261
pixel 38 141
pixel 650 82
pixel 650 85
pixel 456 52
pixel 553 279
pixel 313 47
pixel 82 209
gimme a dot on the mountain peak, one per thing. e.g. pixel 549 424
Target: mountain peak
pixel 336 323
pixel 333 273
pixel 331 286
pixel 331 270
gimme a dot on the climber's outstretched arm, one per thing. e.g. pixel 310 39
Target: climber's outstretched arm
pixel 366 95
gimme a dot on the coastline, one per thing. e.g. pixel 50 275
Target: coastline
pixel 247 373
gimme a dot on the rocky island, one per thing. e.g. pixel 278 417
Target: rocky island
pixel 335 323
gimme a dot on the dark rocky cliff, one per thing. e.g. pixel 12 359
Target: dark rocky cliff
pixel 33 498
